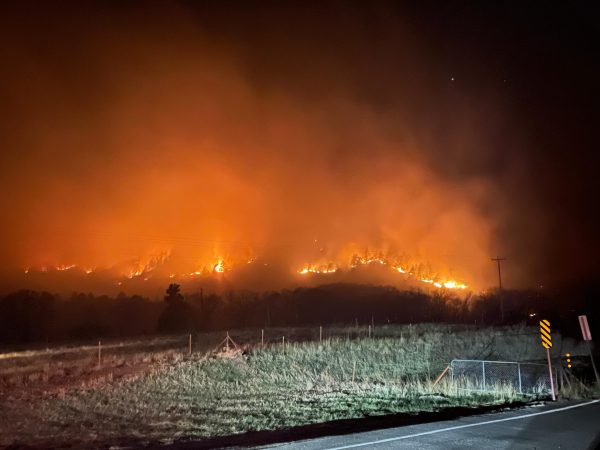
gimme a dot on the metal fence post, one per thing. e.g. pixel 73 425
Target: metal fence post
pixel 519 370
pixel 483 372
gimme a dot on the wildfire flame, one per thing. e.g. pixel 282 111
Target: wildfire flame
pixel 329 268
pixel 140 267
pixel 384 260
pixel 157 266
pixel 219 267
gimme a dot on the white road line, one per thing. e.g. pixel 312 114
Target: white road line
pixel 458 427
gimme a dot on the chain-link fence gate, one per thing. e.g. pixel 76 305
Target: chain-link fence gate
pixel 495 376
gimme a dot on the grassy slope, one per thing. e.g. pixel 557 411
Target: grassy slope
pixel 276 387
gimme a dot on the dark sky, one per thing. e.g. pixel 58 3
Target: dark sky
pixel 453 132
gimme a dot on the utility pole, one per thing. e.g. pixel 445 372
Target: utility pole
pixel 498 259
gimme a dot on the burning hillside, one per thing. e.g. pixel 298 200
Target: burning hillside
pixel 204 168
pixel 223 272
pixel 418 272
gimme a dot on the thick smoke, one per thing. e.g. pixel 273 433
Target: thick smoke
pixel 131 134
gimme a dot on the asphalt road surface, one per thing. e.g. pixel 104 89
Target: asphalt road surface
pixel 558 426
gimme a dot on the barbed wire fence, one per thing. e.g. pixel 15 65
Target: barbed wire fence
pixel 468 375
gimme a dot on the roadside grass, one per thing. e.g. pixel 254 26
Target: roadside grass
pixel 577 390
pixel 344 376
pixel 516 343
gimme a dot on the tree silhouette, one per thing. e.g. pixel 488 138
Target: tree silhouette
pixel 173 294
pixel 177 316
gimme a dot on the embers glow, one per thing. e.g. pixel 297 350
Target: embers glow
pixel 329 268
pixel 415 272
pixel 454 285
pixel 161 266
pixel 219 267
pixel 141 267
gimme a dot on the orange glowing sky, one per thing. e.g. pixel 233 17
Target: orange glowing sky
pixel 127 138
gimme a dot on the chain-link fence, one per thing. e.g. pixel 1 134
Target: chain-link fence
pixel 494 376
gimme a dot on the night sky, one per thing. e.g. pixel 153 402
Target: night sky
pixel 291 131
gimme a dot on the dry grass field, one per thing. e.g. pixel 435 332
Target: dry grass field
pixel 156 391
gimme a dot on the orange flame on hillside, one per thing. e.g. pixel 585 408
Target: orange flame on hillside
pixel 160 265
pixel 328 268
pixel 415 271
pixel 219 267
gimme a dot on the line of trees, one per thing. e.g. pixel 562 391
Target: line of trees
pixel 29 316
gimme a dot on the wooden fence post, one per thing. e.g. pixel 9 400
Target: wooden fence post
pixel 353 371
pixel 320 334
pixel 190 344
pixel 99 352
pixel 437 380
pixel 262 338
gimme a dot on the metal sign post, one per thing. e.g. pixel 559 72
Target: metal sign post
pixel 587 337
pixel 547 343
pixel 585 328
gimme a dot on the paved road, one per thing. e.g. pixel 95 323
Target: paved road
pixel 565 426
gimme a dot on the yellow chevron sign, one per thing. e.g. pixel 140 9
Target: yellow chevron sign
pixel 545 333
